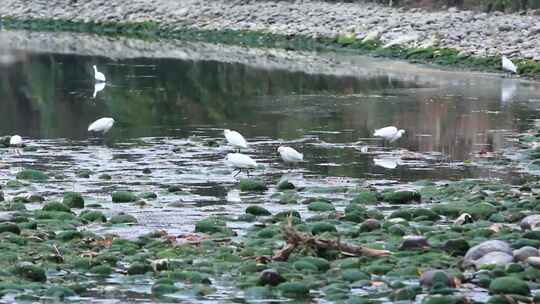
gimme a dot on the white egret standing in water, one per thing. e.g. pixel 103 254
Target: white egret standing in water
pixel 290 155
pixel 102 125
pixel 98 87
pixel 386 162
pixel 235 139
pixel 508 65
pixel 241 162
pixel 98 75
pixel 390 133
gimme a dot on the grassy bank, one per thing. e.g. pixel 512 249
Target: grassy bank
pixel 443 57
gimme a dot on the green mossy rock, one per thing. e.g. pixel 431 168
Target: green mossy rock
pixel 481 211
pixel 14 184
pixel 406 293
pixel 102 270
pixel 30 272
pixel 139 268
pixel 285 185
pixel 32 175
pixel 305 266
pixel 104 176
pixel 322 264
pixel 353 275
pixel 123 219
pixel 149 195
pixel 56 207
pixel 285 214
pixel 10 227
pixel 252 185
pixel 402 197
pixel 320 207
pixel 123 197
pixel 445 300
pixel 365 198
pixel 210 226
pixel 83 173
pixel 59 292
pixel 258 293
pixel 93 216
pixel 322 227
pixel 509 285
pixel 257 210
pixel 160 289
pixel 69 235
pixel 293 289
pixel 73 200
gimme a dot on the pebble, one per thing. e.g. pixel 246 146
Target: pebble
pixel 475 33
pixel 523 253
pixel 534 261
pixel 530 222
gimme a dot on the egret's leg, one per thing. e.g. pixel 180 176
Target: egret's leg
pixel 239 170
pixel 247 172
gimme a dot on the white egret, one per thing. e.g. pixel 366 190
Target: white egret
pixel 98 87
pixel 290 155
pixel 235 139
pixel 508 65
pixel 98 75
pixel 463 219
pixel 389 133
pixel 241 162
pixel 15 141
pixel 101 125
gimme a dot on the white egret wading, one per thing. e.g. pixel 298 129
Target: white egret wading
pixel 290 155
pixel 389 133
pixel 98 87
pixel 102 125
pixel 241 162
pixel 98 75
pixel 235 139
pixel 508 65
pixel 15 141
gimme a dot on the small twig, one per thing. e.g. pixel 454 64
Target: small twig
pixel 58 254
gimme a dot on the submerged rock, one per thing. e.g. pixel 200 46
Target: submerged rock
pixel 456 247
pixel 93 216
pixel 10 227
pixel 122 219
pixel 285 185
pixel 60 292
pixel 123 197
pixel 73 200
pixel 252 185
pixel 402 197
pixel 436 277
pixel 365 198
pixel 33 175
pixel 293 289
pixel 257 210
pixel 56 206
pixel 320 206
pixel 370 225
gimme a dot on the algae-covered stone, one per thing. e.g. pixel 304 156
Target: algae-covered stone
pixel 210 225
pixel 305 266
pixel 252 185
pixel 445 300
pixel 139 268
pixel 9 227
pixel 285 185
pixel 102 270
pixel 481 210
pixel 93 216
pixel 56 207
pixel 320 206
pixel 321 263
pixel 33 175
pixel 104 176
pixel 271 277
pixel 456 247
pixel 370 225
pixel 365 198
pixel 73 200
pixel 321 227
pixel 402 197
pixel 293 289
pixel 122 219
pixel 258 293
pixel 174 188
pixel 414 242
pixel 30 272
pixel 123 197
pixel 160 289
pixel 257 210
pixel 406 293
pixel 353 275
pixel 69 235
pixel 59 292
pixel 285 214
pixel 437 277
pixel 149 195
pixel 509 285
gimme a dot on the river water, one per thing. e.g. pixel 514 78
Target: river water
pixel 171 103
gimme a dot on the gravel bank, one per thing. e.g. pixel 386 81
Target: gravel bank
pixel 480 34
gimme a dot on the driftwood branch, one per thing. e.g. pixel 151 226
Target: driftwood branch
pixel 296 239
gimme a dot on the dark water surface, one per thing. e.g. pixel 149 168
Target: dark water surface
pixel 170 115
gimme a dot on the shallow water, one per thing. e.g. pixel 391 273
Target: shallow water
pixel 170 114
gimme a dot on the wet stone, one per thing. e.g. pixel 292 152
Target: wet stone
pixel 93 216
pixel 293 289
pixel 370 225
pixel 320 206
pixel 32 175
pixel 456 247
pixel 252 185
pixel 73 200
pixel 257 211
pixel 30 272
pixel 534 261
pixel 285 185
pixel 509 285
pixel 271 277
pixel 494 258
pixel 123 197
pixel 123 219
pixel 402 197
pixel 9 227
pixel 530 222
pixel 433 277
pixel 365 198
pixel 523 253
pixel 486 247
pixel 56 206
pixel 414 242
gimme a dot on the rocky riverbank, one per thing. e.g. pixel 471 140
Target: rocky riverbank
pixel 468 32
